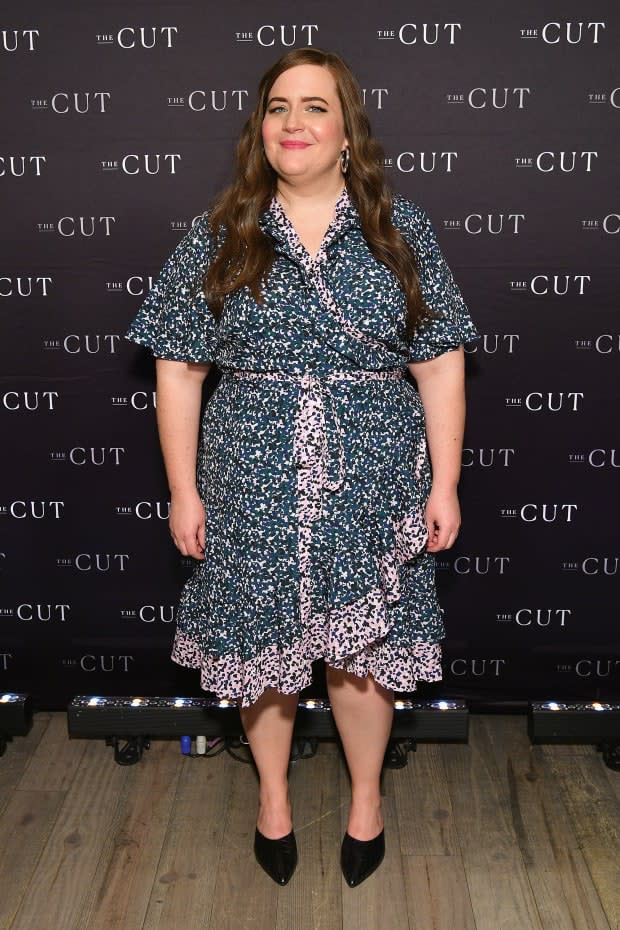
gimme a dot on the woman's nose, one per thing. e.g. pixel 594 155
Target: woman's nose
pixel 293 120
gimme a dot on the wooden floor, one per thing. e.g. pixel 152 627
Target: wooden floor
pixel 493 835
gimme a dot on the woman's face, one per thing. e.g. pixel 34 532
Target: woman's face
pixel 303 126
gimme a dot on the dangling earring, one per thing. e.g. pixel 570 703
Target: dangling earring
pixel 345 158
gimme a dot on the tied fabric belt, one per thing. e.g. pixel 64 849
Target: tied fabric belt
pixel 318 441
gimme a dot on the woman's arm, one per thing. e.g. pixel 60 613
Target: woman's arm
pixel 441 384
pixel 179 394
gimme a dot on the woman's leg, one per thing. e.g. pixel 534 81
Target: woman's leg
pixel 268 725
pixel 363 712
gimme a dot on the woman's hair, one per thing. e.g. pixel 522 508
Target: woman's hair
pixel 246 253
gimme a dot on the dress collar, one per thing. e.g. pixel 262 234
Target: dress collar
pixel 276 223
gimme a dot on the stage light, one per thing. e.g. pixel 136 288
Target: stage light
pixel 416 720
pixel 15 716
pixel 124 717
pixel 433 721
pixel 594 723
pixel 562 722
pixel 172 717
pixel 553 705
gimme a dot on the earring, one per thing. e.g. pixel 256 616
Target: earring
pixel 345 158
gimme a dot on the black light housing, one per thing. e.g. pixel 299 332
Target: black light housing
pixel 572 722
pixel 15 716
pixel 95 716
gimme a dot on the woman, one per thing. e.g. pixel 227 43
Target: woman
pixel 313 516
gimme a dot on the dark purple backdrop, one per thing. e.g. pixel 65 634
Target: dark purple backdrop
pixel 118 126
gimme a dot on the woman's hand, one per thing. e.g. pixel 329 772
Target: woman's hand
pixel 443 519
pixel 187 523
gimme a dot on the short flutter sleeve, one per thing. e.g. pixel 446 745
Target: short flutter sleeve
pixel 452 326
pixel 174 321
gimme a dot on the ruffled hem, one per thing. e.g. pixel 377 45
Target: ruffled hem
pixel 352 636
pixel 289 669
pixel 395 668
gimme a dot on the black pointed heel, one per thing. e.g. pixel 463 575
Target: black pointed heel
pixel 360 858
pixel 277 857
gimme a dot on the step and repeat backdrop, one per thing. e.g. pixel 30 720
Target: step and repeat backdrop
pixel 118 126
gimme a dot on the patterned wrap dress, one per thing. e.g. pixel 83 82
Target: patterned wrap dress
pixel 313 464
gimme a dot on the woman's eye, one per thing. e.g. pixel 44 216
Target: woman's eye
pixel 312 108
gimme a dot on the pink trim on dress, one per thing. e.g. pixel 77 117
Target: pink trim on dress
pixel 289 669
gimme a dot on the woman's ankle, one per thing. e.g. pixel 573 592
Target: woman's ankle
pixel 274 809
pixel 365 817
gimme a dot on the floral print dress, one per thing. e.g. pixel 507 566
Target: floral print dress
pixel 313 464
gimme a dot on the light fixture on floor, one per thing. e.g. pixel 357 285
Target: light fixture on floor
pixel 594 723
pixel 135 720
pixel 142 718
pixel 15 717
pixel 435 721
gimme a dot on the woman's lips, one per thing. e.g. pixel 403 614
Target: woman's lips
pixel 295 145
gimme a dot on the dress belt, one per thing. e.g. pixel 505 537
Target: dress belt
pixel 318 439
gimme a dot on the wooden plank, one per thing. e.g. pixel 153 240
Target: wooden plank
pixel 423 806
pixel 594 810
pixel 25 825
pixel 570 750
pixel 498 883
pixel 614 781
pixel 68 865
pixel 184 883
pixel 313 898
pixel 245 898
pixel 437 893
pixel 55 760
pixel 132 844
pixel 17 757
pixel 381 900
pixel 565 895
pixel 538 829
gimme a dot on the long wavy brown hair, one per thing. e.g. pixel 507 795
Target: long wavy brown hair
pixel 246 252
